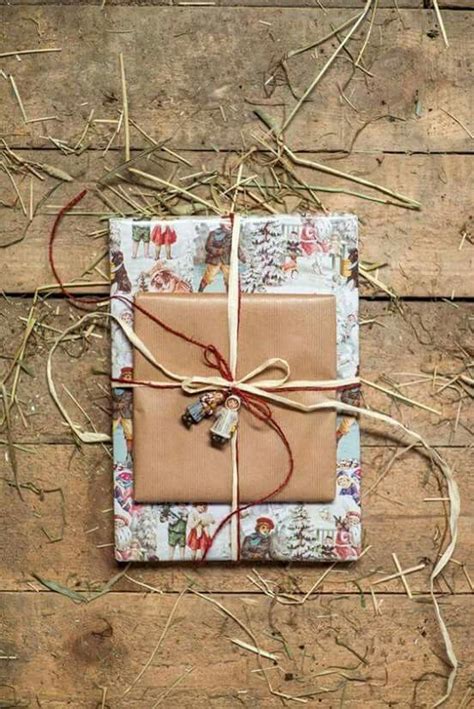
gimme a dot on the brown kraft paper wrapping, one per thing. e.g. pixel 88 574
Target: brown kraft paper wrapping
pixel 174 464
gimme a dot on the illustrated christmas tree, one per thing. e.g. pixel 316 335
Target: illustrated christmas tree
pixel 142 284
pixel 302 539
pixel 266 249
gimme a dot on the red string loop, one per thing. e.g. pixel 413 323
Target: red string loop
pixel 214 359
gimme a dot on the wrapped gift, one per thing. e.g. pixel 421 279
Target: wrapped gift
pixel 298 277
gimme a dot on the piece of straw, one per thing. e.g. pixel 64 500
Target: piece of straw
pixel 18 98
pixel 158 644
pixel 19 52
pixel 440 22
pixel 125 108
pixel 402 575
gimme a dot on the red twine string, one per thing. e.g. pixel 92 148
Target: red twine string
pixel 213 358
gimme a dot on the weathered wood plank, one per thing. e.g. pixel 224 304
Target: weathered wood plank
pixel 396 518
pixel 269 4
pixel 424 336
pixel 184 66
pixel 65 654
pixel 421 249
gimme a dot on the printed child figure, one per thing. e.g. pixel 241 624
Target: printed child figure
pixel 217 259
pixel 140 234
pixel 342 543
pixel 123 488
pixel 347 541
pixel 163 235
pixel 348 483
pixel 353 522
pixel 122 413
pixel 177 518
pixel 199 539
pixel 313 244
pixel 258 546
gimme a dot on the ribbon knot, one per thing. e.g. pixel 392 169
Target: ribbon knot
pixel 198 384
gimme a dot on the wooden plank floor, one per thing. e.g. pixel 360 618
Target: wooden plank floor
pixel 195 76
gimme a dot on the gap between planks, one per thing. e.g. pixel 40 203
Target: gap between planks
pixel 230 150
pixel 467 299
pixel 215 4
pixel 67 442
pixel 442 596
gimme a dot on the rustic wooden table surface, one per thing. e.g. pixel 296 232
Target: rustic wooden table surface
pixel 195 75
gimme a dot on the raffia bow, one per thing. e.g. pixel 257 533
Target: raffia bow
pixel 267 389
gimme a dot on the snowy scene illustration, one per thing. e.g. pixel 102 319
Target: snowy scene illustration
pixel 281 254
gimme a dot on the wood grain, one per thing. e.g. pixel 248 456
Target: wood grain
pixel 83 557
pixel 66 653
pixel 420 249
pixel 195 76
pixel 268 4
pixel 424 336
pixel 183 67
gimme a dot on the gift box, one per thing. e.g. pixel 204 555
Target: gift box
pixel 298 277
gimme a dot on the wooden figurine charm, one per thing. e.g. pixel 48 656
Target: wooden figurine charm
pixel 227 419
pixel 204 407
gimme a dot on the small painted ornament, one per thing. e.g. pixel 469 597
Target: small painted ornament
pixel 204 407
pixel 226 421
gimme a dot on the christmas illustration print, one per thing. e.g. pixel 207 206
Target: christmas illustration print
pixel 258 546
pixel 171 532
pixel 303 255
pixel 305 532
pixel 284 254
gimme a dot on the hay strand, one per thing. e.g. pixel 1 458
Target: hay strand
pixel 126 123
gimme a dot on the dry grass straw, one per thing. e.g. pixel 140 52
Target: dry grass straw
pixel 18 98
pixel 286 599
pixel 440 22
pixel 400 397
pixel 255 644
pixel 360 19
pixel 22 52
pixel 125 108
pixel 158 644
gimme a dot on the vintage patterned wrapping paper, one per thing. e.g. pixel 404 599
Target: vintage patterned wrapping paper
pixel 283 254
